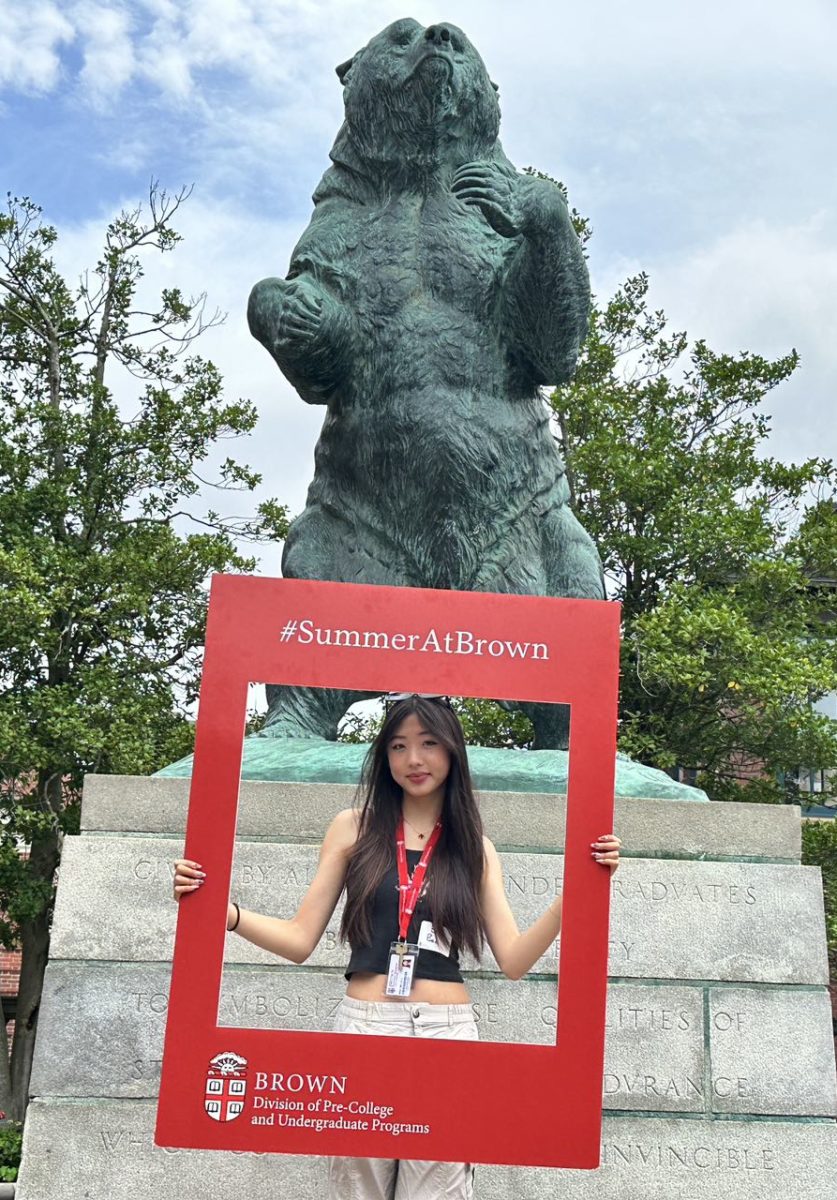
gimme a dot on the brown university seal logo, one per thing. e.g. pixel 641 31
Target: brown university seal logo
pixel 226 1086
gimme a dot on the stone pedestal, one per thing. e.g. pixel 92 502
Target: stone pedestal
pixel 719 1070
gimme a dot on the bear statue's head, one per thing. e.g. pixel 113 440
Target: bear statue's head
pixel 418 100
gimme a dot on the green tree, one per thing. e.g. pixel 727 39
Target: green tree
pixel 724 558
pixel 102 577
pixel 484 723
pixel 723 582
pixel 819 849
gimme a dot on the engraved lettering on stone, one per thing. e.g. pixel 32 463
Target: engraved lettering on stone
pixel 533 885
pixel 146 1069
pixel 651 1085
pixel 724 1087
pixel 722 1158
pixel 156 1002
pixel 153 869
pixel 261 1004
pixel 333 1006
pixel 729 1020
pixel 621 950
pixel 486 1014
pixel 283 875
pixel 120 1139
pixel 705 893
pixel 656 1020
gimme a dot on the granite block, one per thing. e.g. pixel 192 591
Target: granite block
pixel 654 1054
pixel 147 804
pixel 104 1151
pixel 113 1046
pixel 678 1121
pixel 772 1051
pixel 747 922
pixel 302 811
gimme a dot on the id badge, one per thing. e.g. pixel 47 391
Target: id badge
pixel 402 964
pixel 429 939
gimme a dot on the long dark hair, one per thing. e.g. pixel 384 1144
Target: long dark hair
pixel 455 876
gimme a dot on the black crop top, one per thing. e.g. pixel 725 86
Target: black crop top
pixel 374 957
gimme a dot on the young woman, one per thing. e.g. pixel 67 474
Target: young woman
pixel 422 884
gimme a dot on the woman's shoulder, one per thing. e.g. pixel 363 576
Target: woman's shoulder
pixel 488 845
pixel 347 821
pixel 489 851
pixel 343 831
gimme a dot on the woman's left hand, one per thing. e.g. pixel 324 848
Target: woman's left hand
pixel 606 851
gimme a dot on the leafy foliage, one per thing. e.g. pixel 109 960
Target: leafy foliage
pixel 724 586
pixel 104 556
pixel 11 1143
pixel 723 558
pixel 819 849
pixel 360 726
pixel 484 723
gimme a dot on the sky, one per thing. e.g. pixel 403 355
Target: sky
pixel 697 137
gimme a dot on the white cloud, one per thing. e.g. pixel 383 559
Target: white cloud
pixel 603 43
pixel 767 288
pixel 610 43
pixel 134 152
pixel 691 135
pixel 32 33
pixel 105 33
pixel 165 64
pixel 265 44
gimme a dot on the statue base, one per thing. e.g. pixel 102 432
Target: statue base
pixel 718 1077
pixel 314 760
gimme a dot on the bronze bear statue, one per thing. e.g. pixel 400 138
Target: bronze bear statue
pixel 435 290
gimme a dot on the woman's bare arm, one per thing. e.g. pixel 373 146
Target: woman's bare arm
pixel 296 937
pixel 517 952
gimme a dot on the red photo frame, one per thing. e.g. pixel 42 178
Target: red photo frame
pixel 459 1101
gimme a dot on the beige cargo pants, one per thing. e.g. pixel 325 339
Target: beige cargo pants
pixel 387 1179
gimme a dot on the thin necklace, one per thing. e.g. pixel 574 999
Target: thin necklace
pixel 419 835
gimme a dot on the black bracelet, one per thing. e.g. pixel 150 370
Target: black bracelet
pixel 232 928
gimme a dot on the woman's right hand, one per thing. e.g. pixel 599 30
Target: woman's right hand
pixel 188 877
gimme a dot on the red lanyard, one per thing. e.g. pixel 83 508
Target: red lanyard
pixel 409 889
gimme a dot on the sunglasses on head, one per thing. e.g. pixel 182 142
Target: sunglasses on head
pixel 392 698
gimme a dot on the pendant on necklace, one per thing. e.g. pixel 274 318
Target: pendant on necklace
pixel 421 837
